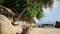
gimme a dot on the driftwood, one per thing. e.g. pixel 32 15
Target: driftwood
pixel 7 12
pixel 2 8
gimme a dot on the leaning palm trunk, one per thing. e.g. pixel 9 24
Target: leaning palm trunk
pixel 21 14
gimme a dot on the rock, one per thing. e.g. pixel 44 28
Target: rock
pixel 6 27
pixel 57 25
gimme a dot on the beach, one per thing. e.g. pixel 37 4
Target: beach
pixel 43 31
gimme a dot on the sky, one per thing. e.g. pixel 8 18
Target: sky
pixel 50 15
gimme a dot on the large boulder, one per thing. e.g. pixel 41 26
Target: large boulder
pixel 6 27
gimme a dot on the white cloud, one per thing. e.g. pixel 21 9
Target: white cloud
pixel 55 4
pixel 47 11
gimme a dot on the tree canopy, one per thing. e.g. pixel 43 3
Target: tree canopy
pixel 34 7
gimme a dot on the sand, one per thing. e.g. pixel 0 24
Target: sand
pixel 43 31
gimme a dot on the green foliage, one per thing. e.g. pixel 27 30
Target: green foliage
pixel 34 7
pixel 1 1
pixel 47 3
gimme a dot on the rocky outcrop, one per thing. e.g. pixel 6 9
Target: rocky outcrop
pixel 57 25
